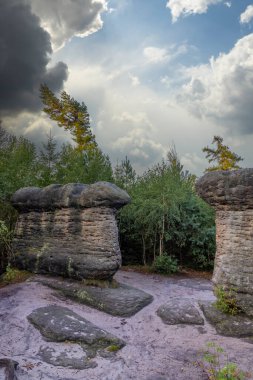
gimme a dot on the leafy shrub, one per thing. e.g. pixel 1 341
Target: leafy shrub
pixel 13 275
pixel 226 301
pixel 5 245
pixel 165 264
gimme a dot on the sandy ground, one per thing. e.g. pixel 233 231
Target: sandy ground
pixel 154 351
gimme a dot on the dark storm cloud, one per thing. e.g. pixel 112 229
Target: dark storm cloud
pixel 25 50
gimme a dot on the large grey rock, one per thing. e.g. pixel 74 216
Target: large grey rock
pixel 227 190
pixel 180 311
pixel 69 230
pixel 239 326
pixel 75 195
pixel 59 324
pixel 231 194
pixel 122 301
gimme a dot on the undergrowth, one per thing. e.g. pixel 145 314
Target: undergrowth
pixel 217 366
pixel 226 301
pixel 13 275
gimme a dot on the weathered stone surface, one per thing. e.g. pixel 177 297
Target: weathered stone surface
pixel 59 324
pixel 69 230
pixel 227 190
pixel 122 301
pixel 180 311
pixel 231 193
pixel 239 326
pixel 67 357
pixel 72 195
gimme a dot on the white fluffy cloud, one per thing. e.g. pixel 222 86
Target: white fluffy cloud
pixel 186 7
pixel 68 18
pixel 154 55
pixel 247 15
pixel 222 89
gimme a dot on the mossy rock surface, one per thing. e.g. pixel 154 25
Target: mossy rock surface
pixel 122 301
pixel 239 326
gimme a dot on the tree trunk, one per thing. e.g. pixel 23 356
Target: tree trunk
pixel 154 251
pixel 143 250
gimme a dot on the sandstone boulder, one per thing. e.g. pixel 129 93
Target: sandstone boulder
pixel 180 311
pixel 231 194
pixel 69 230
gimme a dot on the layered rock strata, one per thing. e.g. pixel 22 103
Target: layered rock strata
pixel 231 194
pixel 69 230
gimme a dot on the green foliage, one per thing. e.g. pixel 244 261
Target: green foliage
pixel 165 264
pixel 97 167
pixel 226 301
pixel 113 348
pixel 83 167
pixel 124 174
pixel 71 115
pixel 225 158
pixel 215 370
pixel 18 165
pixel 5 245
pixel 47 162
pixel 13 275
pixel 166 215
pixel 195 233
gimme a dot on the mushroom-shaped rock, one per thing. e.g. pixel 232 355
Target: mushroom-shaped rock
pixel 69 230
pixel 231 194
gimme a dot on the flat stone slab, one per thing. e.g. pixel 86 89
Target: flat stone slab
pixel 239 326
pixel 180 311
pixel 59 324
pixel 122 301
pixel 70 357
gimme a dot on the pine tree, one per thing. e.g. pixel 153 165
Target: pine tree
pixel 71 115
pixel 124 174
pixel 225 158
pixel 48 159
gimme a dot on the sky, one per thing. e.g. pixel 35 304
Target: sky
pixel 153 73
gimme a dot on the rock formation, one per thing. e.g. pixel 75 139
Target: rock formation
pixel 69 230
pixel 231 194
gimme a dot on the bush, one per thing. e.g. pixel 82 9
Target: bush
pixel 5 245
pixel 226 301
pixel 14 275
pixel 165 264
